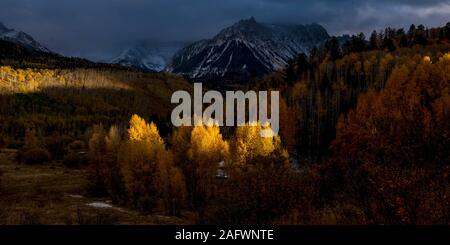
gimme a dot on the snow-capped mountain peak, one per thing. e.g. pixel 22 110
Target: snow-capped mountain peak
pixel 3 28
pixel 20 38
pixel 245 48
pixel 147 56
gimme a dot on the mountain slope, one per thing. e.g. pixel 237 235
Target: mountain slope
pixel 21 38
pixel 246 48
pixel 19 56
pixel 147 57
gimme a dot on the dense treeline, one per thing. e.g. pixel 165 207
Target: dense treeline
pixel 222 180
pixel 388 164
pixel 391 153
pixel 318 88
pixel 390 39
pixel 59 105
pixel 375 118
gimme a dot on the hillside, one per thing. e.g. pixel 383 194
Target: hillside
pixel 21 38
pixel 321 87
pixel 369 125
pixel 363 140
pixel 19 56
pixel 56 101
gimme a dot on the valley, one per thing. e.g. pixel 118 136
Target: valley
pixel 363 133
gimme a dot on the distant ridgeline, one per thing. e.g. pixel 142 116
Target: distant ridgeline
pixel 19 56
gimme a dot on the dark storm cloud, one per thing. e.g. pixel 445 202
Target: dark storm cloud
pixel 96 28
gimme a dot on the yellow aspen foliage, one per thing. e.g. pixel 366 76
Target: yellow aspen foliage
pixel 141 130
pixel 138 162
pixel 445 57
pixel 207 145
pixel 207 150
pixel 148 169
pixel 248 143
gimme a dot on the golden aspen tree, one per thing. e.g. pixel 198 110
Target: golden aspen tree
pixel 207 150
pixel 138 162
pixel 249 144
pixel 149 170
pixel 140 130
pixel 259 173
pixel 445 58
pixel 427 59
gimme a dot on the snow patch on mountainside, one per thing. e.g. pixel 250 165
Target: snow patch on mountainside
pixel 21 38
pixel 246 48
pixel 148 57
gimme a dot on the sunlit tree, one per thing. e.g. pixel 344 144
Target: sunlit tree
pixel 249 144
pixel 207 150
pixel 148 169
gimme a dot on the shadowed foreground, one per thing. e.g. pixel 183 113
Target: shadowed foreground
pixel 52 194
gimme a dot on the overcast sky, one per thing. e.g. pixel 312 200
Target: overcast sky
pixel 98 28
